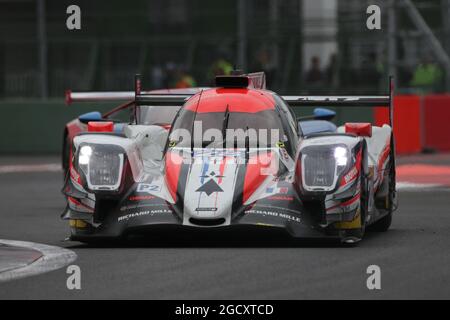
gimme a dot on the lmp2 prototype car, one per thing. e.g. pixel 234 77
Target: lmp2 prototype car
pixel 235 156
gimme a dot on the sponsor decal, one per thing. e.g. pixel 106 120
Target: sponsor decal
pixel 211 175
pixel 209 187
pixel 219 153
pixel 74 174
pixel 148 188
pixel 270 190
pixel 283 190
pixel 274 214
pixel 137 205
pixel 282 198
pixel 351 175
pixel 76 179
pixel 143 213
pixel 284 154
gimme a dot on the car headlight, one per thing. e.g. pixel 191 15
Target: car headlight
pixel 85 154
pixel 322 166
pixel 102 167
pixel 340 154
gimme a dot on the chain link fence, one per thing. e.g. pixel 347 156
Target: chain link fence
pixel 166 40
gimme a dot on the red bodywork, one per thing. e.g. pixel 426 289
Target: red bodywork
pixel 363 129
pixel 237 100
pixel 106 126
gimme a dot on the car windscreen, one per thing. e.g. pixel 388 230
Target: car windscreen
pixel 263 129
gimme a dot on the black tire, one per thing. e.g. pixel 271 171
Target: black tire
pixel 363 208
pixel 383 224
pixel 359 233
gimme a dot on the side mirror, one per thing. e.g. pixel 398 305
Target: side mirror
pixel 90 116
pixel 324 114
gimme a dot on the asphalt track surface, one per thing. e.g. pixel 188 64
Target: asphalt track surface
pixel 414 256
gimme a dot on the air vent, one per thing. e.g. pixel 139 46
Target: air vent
pixel 207 222
pixel 232 81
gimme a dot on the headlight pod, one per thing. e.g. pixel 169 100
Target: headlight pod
pixel 85 155
pixel 322 166
pixel 341 156
pixel 102 166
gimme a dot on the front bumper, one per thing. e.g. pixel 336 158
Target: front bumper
pixel 261 220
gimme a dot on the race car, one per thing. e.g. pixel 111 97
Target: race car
pixel 235 157
pixel 120 115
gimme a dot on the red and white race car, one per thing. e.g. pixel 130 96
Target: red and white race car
pixel 235 157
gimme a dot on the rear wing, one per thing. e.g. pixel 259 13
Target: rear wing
pixel 385 101
pixel 137 96
pixel 98 96
pixel 139 99
pixel 255 80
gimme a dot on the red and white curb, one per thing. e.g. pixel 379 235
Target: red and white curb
pixel 52 258
pixel 422 177
pixel 19 168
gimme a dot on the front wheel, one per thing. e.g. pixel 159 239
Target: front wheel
pixel 352 236
pixel 383 224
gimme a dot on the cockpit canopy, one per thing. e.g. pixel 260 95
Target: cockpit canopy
pixel 229 118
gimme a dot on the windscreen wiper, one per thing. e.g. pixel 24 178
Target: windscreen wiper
pixel 226 118
pixel 247 145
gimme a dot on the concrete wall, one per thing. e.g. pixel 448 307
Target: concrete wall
pixel 34 126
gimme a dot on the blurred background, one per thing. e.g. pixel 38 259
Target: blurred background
pixel 304 46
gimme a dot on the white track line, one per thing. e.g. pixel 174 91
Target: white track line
pixel 411 186
pixel 52 258
pixel 46 167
